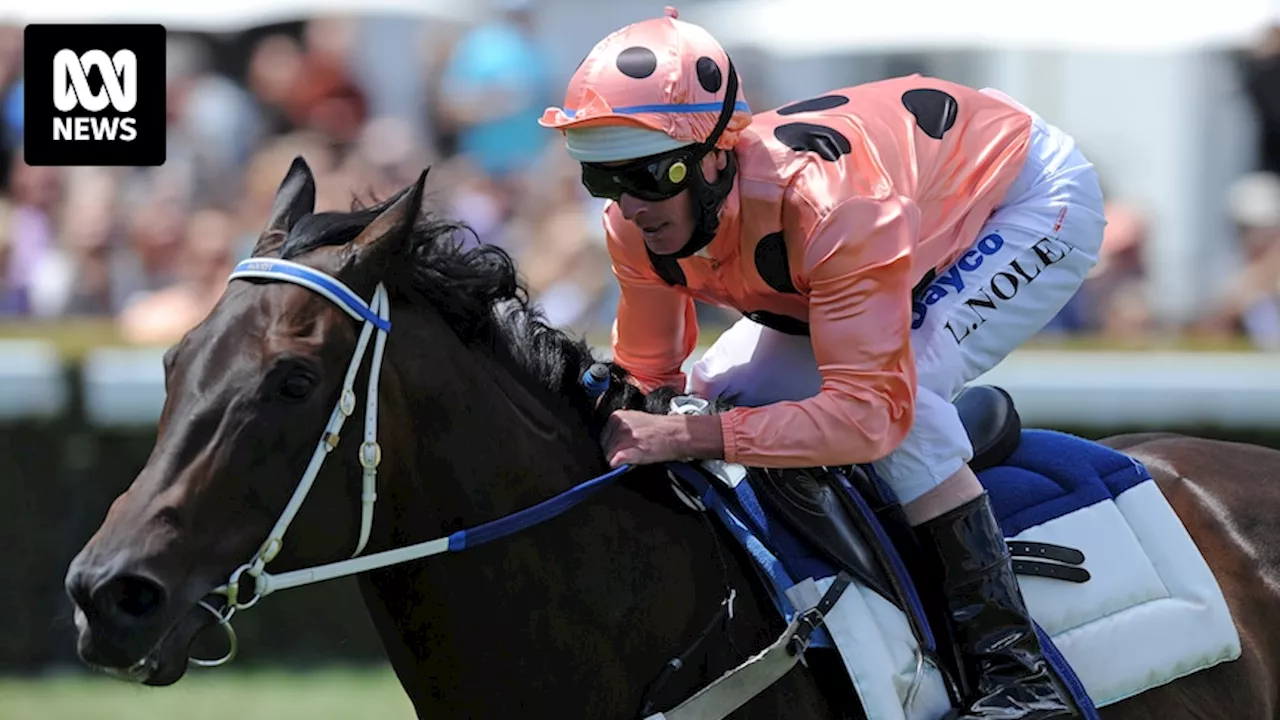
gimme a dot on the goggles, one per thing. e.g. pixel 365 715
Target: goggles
pixel 655 178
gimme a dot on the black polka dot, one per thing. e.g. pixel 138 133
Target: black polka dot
pixel 637 62
pixel 772 264
pixel 709 76
pixel 828 143
pixel 826 102
pixel 935 110
pixel 782 323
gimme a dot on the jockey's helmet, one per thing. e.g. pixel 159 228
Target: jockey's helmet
pixel 655 96
pixel 650 88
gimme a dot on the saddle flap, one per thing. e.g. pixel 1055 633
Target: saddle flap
pixel 813 509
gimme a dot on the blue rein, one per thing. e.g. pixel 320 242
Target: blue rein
pixel 533 515
pixel 596 382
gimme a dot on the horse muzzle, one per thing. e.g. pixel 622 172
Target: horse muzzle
pixel 127 629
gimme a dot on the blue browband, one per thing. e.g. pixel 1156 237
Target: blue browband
pixel 273 269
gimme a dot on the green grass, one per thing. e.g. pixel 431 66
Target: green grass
pixel 219 694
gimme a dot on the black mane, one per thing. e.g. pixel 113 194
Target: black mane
pixel 477 290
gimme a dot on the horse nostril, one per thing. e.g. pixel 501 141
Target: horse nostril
pixel 78 590
pixel 131 596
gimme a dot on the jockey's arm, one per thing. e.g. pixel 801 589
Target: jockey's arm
pixel 857 266
pixel 656 327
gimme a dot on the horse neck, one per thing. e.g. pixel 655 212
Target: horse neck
pixel 489 441
pixel 533 610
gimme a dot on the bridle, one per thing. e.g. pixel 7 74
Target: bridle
pixel 375 316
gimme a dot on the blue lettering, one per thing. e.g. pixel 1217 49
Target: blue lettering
pixel 917 315
pixel 991 244
pixel 970 261
pixel 954 278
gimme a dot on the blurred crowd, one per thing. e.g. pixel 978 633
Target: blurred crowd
pixel 1114 303
pixel 150 248
pixel 369 104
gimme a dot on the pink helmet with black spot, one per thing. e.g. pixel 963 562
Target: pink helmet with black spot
pixel 649 88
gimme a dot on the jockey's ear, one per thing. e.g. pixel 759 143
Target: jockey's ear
pixel 295 197
pixel 386 235
pixel 714 163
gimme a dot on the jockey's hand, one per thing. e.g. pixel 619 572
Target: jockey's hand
pixel 631 437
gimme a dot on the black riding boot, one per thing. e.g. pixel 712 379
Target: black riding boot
pixel 1009 677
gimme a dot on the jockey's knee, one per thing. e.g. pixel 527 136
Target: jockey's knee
pixel 959 488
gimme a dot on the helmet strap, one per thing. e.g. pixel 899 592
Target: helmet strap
pixel 709 197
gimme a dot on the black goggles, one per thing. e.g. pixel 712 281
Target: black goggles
pixel 653 178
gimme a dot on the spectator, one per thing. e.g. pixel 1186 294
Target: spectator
pixel 1250 301
pixel 36 193
pixel 80 275
pixel 213 123
pixel 495 87
pixel 1260 68
pixel 165 315
pixel 275 69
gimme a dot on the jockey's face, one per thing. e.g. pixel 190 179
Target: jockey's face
pixel 668 224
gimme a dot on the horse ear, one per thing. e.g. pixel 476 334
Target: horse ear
pixel 295 197
pixel 387 233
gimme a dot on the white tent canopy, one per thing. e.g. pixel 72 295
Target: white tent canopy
pixel 790 28
pixel 222 15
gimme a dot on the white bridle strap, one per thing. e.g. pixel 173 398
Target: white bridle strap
pixel 375 316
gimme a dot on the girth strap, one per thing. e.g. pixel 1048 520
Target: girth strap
pixel 733 689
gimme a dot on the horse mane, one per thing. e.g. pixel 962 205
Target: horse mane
pixel 477 290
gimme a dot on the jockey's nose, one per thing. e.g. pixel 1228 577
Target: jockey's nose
pixel 631 206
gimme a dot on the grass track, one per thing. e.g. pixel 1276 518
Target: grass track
pixel 212 695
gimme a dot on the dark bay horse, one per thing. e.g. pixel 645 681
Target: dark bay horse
pixel 480 413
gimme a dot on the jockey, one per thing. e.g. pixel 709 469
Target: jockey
pixel 886 243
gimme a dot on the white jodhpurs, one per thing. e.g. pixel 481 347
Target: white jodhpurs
pixel 1028 260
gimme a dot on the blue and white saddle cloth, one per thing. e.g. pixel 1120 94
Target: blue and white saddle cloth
pixel 1150 612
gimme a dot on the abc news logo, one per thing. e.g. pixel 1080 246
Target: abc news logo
pixel 71 91
pixel 94 95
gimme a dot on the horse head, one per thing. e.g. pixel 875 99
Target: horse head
pixel 252 397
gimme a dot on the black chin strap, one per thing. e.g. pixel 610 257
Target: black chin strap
pixel 708 197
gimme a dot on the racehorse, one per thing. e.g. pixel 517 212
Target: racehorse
pixel 475 410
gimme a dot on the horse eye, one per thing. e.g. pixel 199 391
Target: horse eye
pixel 297 386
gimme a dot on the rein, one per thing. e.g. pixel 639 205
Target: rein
pixel 376 318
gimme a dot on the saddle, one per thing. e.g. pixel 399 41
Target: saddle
pixel 862 529
pixel 829 518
